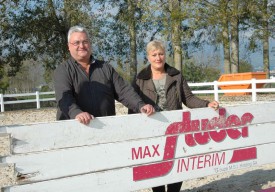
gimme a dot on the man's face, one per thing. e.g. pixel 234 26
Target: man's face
pixel 80 46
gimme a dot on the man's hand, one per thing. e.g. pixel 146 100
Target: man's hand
pixel 84 118
pixel 214 105
pixel 147 109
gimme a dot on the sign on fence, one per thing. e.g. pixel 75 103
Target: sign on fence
pixel 132 152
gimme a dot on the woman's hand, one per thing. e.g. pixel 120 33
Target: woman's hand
pixel 147 109
pixel 214 105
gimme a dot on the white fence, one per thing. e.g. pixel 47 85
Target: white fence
pixel 254 90
pixel 214 85
pixel 37 99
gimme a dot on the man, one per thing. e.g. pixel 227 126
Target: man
pixel 86 88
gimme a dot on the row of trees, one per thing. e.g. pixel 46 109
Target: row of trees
pixel 37 30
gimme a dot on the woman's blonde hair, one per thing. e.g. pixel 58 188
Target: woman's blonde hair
pixel 155 45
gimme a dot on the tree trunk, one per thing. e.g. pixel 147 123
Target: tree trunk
pixel 174 6
pixel 266 41
pixel 66 24
pixel 133 45
pixel 266 56
pixel 226 49
pixel 225 36
pixel 235 38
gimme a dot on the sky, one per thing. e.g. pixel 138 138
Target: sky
pixel 256 59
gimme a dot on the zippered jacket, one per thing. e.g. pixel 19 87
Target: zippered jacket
pixel 77 92
pixel 177 90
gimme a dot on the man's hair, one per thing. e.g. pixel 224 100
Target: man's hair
pixel 77 29
pixel 155 45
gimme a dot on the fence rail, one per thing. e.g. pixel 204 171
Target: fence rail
pixel 36 100
pixel 253 90
pixel 215 89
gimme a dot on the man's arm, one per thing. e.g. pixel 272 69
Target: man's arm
pixel 64 93
pixel 128 97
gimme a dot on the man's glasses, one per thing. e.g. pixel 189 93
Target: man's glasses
pixel 77 43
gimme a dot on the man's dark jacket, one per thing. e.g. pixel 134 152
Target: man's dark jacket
pixel 77 92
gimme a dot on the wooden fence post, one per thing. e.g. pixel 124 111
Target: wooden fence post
pixel 37 100
pixel 2 102
pixel 254 90
pixel 216 91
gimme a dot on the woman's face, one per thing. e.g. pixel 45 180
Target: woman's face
pixel 157 59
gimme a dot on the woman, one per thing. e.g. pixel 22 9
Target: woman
pixel 165 88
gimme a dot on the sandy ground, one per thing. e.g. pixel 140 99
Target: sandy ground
pixel 246 180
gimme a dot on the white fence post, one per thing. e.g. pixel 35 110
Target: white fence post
pixel 2 102
pixel 37 100
pixel 253 87
pixel 216 89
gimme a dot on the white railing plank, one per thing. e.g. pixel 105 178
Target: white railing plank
pixel 69 133
pixel 132 152
pixel 63 162
pixel 121 179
